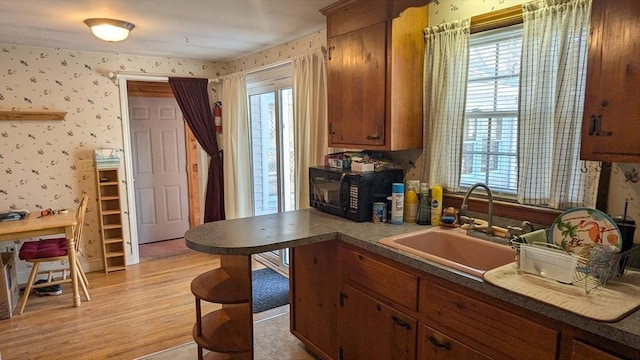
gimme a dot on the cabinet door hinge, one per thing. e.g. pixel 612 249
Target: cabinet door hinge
pixel 595 125
pixel 342 297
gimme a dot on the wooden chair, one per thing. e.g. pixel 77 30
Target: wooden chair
pixel 54 250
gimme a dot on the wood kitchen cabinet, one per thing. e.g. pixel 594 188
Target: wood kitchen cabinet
pixel 612 109
pixel 583 351
pixel 376 302
pixel 314 297
pixel 350 303
pixel 374 73
pixel 483 327
pixel 370 329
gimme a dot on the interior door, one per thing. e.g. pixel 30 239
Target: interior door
pixel 159 168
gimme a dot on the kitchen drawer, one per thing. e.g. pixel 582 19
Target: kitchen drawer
pixel 435 345
pixel 379 278
pixel 485 327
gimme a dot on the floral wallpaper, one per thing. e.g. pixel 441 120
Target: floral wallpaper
pixel 442 11
pixel 277 54
pixel 49 164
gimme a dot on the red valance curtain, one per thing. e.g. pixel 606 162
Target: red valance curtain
pixel 193 99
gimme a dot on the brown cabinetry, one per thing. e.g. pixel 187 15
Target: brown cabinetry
pixel 374 301
pixel 483 327
pixel 350 303
pixel 583 351
pixel 611 125
pixel 370 329
pixel 314 297
pixel 374 73
pixel 110 214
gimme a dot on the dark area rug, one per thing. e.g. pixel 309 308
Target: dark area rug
pixel 269 290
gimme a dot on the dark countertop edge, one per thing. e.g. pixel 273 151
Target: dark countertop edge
pixel 625 331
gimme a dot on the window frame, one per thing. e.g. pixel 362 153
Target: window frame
pixel 502 207
pixel 492 116
pixel 506 207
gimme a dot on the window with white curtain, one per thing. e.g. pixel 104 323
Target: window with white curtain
pixel 513 119
pixel 489 150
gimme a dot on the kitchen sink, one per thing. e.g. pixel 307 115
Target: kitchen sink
pixel 453 248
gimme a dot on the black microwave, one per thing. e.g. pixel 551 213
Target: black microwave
pixel 350 194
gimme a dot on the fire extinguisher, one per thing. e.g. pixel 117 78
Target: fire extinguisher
pixel 217 116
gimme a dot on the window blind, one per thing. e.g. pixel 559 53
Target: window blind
pixel 489 153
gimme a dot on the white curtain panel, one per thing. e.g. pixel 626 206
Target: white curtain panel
pixel 310 111
pixel 445 86
pixel 553 73
pixel 235 144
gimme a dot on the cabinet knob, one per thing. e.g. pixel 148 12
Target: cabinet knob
pixel 373 137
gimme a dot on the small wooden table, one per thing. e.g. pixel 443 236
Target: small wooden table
pixel 34 226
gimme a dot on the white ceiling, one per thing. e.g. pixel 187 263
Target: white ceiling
pixel 215 30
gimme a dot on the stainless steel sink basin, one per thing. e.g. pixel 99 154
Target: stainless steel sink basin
pixel 454 249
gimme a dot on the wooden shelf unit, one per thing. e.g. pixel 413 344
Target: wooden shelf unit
pixel 110 213
pixel 227 332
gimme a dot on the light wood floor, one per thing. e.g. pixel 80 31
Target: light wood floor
pixel 146 308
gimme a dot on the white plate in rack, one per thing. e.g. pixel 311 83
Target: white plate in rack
pixel 581 228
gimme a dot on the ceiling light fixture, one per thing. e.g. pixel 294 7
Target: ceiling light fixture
pixel 109 29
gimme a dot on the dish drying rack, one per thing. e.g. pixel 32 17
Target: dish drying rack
pixel 586 272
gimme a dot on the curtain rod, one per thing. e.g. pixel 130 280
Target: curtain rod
pixel 137 74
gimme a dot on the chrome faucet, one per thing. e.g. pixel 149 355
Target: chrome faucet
pixel 464 206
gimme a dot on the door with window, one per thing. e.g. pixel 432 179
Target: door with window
pixel 272 150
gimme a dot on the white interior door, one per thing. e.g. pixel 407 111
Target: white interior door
pixel 159 168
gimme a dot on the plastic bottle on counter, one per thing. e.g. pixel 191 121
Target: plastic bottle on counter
pixel 424 208
pixel 411 201
pixel 436 205
pixel 397 203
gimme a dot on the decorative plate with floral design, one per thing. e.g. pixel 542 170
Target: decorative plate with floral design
pixel 577 230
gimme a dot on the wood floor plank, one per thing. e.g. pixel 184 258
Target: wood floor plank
pixel 146 308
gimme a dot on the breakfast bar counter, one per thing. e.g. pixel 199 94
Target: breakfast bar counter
pixel 240 238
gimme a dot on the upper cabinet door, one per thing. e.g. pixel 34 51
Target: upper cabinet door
pixel 356 79
pixel 374 73
pixel 611 125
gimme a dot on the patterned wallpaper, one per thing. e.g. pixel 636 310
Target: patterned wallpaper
pixel 277 54
pixel 49 164
pixel 442 11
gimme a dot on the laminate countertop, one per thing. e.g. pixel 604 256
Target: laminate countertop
pixel 264 233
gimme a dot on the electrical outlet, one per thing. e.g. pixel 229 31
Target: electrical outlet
pixel 11 248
